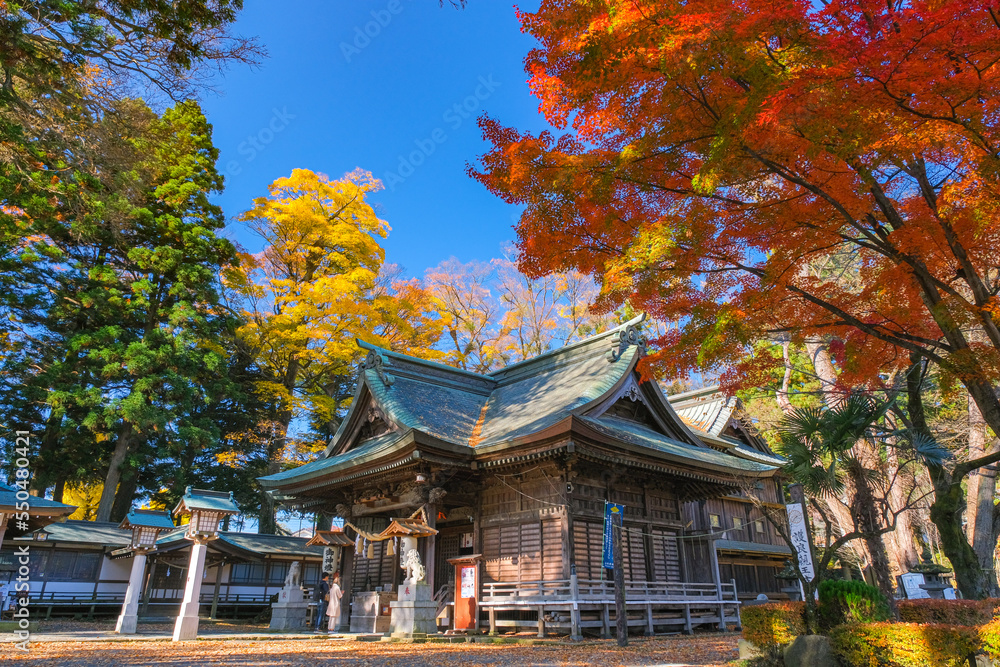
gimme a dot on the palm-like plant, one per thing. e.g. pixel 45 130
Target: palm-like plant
pixel 831 449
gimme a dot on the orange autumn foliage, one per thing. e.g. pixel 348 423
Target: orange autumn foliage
pixel 758 169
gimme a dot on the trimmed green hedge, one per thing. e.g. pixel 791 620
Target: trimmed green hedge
pixel 774 624
pixel 990 636
pixel 850 602
pixel 904 644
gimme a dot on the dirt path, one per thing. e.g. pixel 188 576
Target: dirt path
pixel 704 651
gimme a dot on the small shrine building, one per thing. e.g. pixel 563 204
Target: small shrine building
pixel 516 466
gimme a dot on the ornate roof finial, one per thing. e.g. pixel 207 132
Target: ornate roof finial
pixel 377 362
pixel 626 338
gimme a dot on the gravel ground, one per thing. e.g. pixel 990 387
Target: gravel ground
pixel 705 650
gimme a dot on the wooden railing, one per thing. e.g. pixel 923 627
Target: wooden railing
pixel 652 598
pixel 89 603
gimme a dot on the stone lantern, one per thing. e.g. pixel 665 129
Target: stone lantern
pixel 205 509
pixel 146 526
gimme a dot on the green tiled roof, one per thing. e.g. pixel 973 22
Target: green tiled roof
pixel 148 519
pixel 637 434
pixel 546 396
pixel 367 451
pixel 8 498
pixel 251 543
pixel 465 413
pixel 445 412
pixel 271 545
pixel 206 500
pixel 96 533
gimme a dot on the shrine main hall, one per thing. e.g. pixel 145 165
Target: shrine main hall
pixel 516 466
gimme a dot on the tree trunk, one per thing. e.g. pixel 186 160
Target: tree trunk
pixel 267 522
pixel 949 504
pixel 819 352
pixel 59 490
pixel 122 449
pixel 982 485
pixel 865 515
pixel 125 494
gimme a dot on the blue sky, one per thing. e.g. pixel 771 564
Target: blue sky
pixel 392 86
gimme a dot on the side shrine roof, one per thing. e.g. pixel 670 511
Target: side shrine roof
pixel 710 413
pixel 405 407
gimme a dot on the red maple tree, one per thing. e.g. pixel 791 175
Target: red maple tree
pixel 758 169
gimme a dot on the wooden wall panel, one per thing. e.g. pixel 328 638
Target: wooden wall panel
pixel 529 551
pixel 552 547
pixel 665 556
pixel 588 539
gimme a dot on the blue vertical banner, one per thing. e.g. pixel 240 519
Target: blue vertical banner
pixel 610 509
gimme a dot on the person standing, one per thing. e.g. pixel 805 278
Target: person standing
pixel 333 607
pixel 320 595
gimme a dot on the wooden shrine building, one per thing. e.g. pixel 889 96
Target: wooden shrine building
pixel 516 465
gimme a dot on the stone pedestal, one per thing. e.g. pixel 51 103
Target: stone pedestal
pixel 290 611
pixel 414 612
pixel 370 612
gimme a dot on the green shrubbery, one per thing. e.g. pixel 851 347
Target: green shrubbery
pixel 850 602
pixel 776 624
pixel 990 636
pixel 934 633
pixel 904 644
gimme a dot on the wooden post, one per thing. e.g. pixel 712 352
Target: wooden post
pixel 346 570
pixel 621 617
pixel 713 555
pixel 431 550
pixel 736 597
pixel 150 582
pixel 493 620
pixel 218 583
pixel 541 621
pixel 575 633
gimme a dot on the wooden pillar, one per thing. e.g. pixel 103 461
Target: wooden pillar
pixel 575 633
pixel 713 554
pixel 430 562
pixel 621 613
pixel 346 583
pixel 218 583
pixel 150 580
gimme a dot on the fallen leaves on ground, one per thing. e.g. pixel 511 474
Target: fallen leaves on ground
pixel 703 650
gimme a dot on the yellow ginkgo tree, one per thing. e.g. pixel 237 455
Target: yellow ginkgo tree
pixel 319 283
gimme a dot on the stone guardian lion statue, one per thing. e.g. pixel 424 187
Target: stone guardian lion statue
pixel 415 572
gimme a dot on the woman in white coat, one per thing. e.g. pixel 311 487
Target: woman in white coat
pixel 333 608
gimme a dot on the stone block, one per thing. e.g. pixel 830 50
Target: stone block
pixel 747 650
pixel 289 616
pixel 809 651
pixel 415 593
pixel 413 617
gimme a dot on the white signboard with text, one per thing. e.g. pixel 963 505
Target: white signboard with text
pixel 800 538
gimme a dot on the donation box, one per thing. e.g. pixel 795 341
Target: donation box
pixel 466 591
